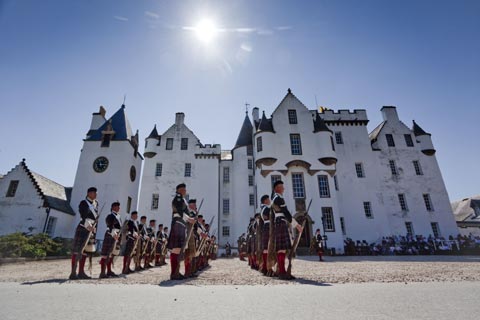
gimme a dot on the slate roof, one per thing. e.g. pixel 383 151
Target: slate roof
pixel 418 131
pixel 154 133
pixel 265 124
pixel 54 195
pixel 120 125
pixel 245 135
pixel 319 125
pixel 376 132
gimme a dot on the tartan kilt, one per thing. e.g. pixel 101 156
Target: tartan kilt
pixel 80 239
pixel 108 244
pixel 149 247
pixel 177 236
pixel 282 236
pixel 265 236
pixel 158 247
pixel 129 246
pixel 251 245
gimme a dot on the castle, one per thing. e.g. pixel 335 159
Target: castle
pixel 354 184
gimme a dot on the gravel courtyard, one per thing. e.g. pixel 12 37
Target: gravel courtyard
pixel 336 270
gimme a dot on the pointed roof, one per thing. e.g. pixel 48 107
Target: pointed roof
pixel 265 124
pixel 376 132
pixel 154 133
pixel 418 131
pixel 119 124
pixel 319 125
pixel 245 136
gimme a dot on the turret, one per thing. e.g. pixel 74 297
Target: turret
pixel 98 118
pixel 325 144
pixel 151 144
pixel 424 139
pixel 264 142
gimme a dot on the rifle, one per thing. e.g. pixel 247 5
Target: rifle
pixel 297 241
pixel 189 232
pixel 203 240
pixel 90 256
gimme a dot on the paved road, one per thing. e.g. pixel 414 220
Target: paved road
pixel 340 301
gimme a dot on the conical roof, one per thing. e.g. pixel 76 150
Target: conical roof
pixel 245 135
pixel 154 133
pixel 120 125
pixel 265 124
pixel 418 131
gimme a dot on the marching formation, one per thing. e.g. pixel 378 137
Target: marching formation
pixel 269 241
pixel 189 239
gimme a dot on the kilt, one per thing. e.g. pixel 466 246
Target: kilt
pixel 129 246
pixel 158 248
pixel 149 247
pixel 265 235
pixel 282 236
pixel 80 239
pixel 177 236
pixel 251 244
pixel 108 244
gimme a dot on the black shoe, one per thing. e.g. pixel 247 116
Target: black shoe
pixel 103 276
pixel 83 276
pixel 112 274
pixel 177 277
pixel 73 276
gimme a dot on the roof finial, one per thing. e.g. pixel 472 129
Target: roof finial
pixel 246 107
pixel 289 90
pixel 124 98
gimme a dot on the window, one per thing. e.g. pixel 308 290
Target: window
pixel 335 180
pixel 418 168
pixel 259 144
pixel 12 188
pixel 393 167
pixel 390 141
pixel 327 219
pixel 249 150
pixel 226 206
pixel 226 231
pixel 106 140
pixel 342 225
pixel 251 199
pixel 292 117
pixel 250 164
pixel 226 175
pixel 129 204
pixel 323 186
pixel 184 144
pixel 298 186
pixel 408 140
pixel 367 207
pixel 155 198
pixel 333 144
pixel 409 227
pixel 403 202
pixel 275 178
pixel 338 137
pixel 188 169
pixel 250 181
pixel 428 202
pixel 169 145
pixel 51 223
pixel 158 170
pixel 295 144
pixel 359 169
pixel 435 229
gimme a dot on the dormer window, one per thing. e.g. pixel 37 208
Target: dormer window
pixel 390 141
pixel 107 135
pixel 292 117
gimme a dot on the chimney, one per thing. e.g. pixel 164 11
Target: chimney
pixel 389 113
pixel 98 118
pixel 179 118
pixel 255 114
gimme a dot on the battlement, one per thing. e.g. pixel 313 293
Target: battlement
pixel 208 149
pixel 344 115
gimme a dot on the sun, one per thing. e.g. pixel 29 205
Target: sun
pixel 206 30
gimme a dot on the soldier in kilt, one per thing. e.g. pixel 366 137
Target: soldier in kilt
pixel 283 219
pixel 88 210
pixel 318 241
pixel 150 244
pixel 177 238
pixel 132 238
pixel 265 214
pixel 159 246
pixel 251 244
pixel 191 247
pixel 163 257
pixel 112 235
pixel 142 229
pixel 242 248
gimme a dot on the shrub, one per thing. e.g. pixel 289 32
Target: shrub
pixel 32 246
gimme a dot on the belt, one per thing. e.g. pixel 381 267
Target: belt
pixel 177 215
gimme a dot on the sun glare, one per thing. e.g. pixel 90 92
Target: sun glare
pixel 206 30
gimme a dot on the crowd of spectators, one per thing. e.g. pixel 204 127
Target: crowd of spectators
pixel 413 245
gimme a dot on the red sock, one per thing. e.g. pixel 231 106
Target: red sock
pixel 264 263
pixel 173 262
pixel 82 264
pixel 125 262
pixel 187 266
pixel 109 265
pixel 255 260
pixel 281 262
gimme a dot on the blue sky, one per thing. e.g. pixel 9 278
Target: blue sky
pixel 61 60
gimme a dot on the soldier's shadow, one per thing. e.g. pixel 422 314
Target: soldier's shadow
pixel 58 281
pixel 310 282
pixel 174 283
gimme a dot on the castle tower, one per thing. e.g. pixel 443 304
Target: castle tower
pixel 109 161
